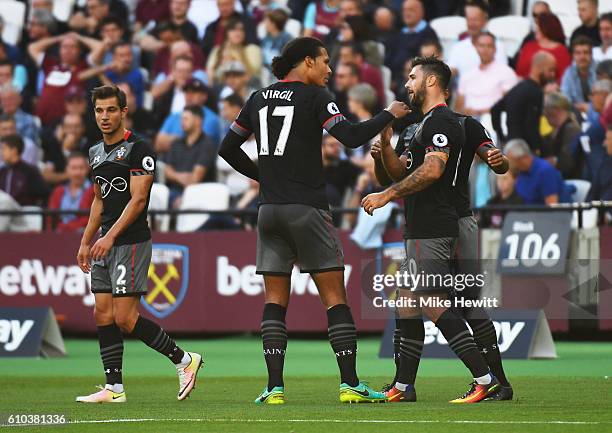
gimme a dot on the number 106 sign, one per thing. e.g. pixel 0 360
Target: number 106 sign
pixel 534 243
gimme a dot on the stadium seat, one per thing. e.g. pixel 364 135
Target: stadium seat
pixel 448 30
pixel 202 196
pixel 562 7
pixel 569 24
pixel 159 201
pixel 13 14
pixel 293 27
pixel 582 189
pixel 589 218
pixel 31 223
pixel 62 9
pixel 605 6
pixel 510 30
pixel 386 76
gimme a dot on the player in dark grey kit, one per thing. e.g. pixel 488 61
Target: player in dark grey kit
pixel 431 228
pixel 294 223
pixel 123 166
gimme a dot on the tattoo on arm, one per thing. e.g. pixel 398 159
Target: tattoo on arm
pixel 426 174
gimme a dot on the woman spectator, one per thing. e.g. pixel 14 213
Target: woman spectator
pixel 234 48
pixel 549 37
pixel 357 29
pixel 276 36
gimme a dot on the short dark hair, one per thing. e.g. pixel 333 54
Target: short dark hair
pixel 294 53
pixel 356 47
pixel 234 99
pixel 6 62
pixel 581 40
pixel 196 110
pixel 111 19
pixel 483 5
pixel 120 44
pixel 434 66
pixel 606 17
pixel 105 92
pixel 353 68
pixel 13 141
pixel 434 42
pixel 604 68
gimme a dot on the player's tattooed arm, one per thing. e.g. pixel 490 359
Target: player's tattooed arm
pixel 426 174
pixel 494 158
pixel 231 151
pixel 93 225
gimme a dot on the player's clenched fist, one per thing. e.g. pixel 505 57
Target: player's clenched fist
pixel 398 109
pixel 375 201
pixel 495 157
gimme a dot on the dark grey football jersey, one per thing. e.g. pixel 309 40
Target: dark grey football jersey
pixel 112 168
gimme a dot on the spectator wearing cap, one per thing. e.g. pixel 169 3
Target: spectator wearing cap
pixel 557 147
pixel 12 74
pixel 276 37
pixel 120 70
pixel 214 35
pixel 31 151
pixel 75 194
pixel 19 179
pixel 603 51
pixel 26 124
pixel 408 41
pixel 464 55
pixel 235 80
pixel 589 145
pixel 168 95
pixel 196 93
pixel 480 88
pixel 537 181
pixel 68 137
pixel 59 73
pixel 587 12
pixel 353 53
pixel 523 103
pixel 235 48
pixel 548 37
pixel 601 186
pixel 580 76
pixel 192 158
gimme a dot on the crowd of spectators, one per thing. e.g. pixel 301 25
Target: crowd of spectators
pixel 187 66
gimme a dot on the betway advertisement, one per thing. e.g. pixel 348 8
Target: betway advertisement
pixel 198 282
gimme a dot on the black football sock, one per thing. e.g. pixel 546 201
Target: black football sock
pixel 486 340
pixel 111 352
pixel 274 337
pixel 151 334
pixel 462 343
pixel 397 333
pixel 343 339
pixel 411 347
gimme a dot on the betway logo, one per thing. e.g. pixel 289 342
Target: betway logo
pixel 13 332
pixel 232 280
pixel 31 278
pixel 506 333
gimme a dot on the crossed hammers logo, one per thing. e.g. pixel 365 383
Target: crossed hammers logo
pixel 161 284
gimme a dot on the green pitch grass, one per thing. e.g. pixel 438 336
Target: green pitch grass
pixel 569 394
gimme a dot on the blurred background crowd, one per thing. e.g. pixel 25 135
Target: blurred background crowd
pixel 536 74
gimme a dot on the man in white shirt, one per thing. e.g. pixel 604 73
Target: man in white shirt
pixel 463 55
pixel 604 51
pixel 480 88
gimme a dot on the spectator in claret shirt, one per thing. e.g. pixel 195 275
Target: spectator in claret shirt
pixel 76 194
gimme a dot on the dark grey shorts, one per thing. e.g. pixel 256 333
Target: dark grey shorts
pixel 430 258
pixel 467 261
pixel 294 233
pixel 123 272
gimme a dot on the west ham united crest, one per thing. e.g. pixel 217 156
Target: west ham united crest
pixel 168 279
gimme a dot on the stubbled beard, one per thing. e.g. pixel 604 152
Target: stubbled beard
pixel 417 98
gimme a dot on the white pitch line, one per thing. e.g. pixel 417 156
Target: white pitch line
pixel 337 421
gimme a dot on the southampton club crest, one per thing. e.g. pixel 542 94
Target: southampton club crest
pixel 168 279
